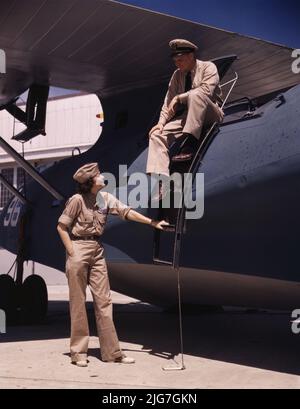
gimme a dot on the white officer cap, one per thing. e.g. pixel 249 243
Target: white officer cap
pixel 180 46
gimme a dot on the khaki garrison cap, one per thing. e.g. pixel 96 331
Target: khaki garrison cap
pixel 86 172
pixel 180 47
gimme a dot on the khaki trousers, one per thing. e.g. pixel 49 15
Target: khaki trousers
pixel 200 112
pixel 88 267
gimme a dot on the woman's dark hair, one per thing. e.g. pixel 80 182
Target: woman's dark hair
pixel 85 187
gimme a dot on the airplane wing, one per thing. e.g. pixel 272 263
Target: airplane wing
pixel 107 47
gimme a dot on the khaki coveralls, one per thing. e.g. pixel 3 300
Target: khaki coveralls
pixel 87 266
pixel 201 110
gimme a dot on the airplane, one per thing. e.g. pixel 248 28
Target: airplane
pixel 244 250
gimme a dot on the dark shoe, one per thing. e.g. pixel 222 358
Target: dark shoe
pixel 187 151
pixel 183 157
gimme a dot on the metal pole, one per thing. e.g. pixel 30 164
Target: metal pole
pixel 176 267
pixel 180 367
pixel 13 190
pixel 30 170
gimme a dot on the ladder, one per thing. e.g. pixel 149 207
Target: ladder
pixel 179 228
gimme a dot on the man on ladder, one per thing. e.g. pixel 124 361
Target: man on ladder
pixel 190 105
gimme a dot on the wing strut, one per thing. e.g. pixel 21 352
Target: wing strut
pixel 23 163
pixel 13 190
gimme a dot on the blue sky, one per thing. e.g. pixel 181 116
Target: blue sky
pixel 273 20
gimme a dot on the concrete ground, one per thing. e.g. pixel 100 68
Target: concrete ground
pixel 230 349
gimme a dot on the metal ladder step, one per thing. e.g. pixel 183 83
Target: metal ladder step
pixel 162 262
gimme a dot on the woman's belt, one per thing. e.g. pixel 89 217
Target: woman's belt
pixel 92 237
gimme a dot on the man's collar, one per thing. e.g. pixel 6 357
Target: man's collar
pixel 193 71
pixel 195 68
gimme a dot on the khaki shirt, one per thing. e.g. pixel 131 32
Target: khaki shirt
pixel 83 217
pixel 205 79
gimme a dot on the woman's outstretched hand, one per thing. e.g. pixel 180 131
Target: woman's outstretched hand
pixel 160 225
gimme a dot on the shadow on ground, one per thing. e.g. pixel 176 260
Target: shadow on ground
pixel 261 340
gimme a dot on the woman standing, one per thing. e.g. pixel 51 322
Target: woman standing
pixel 80 227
